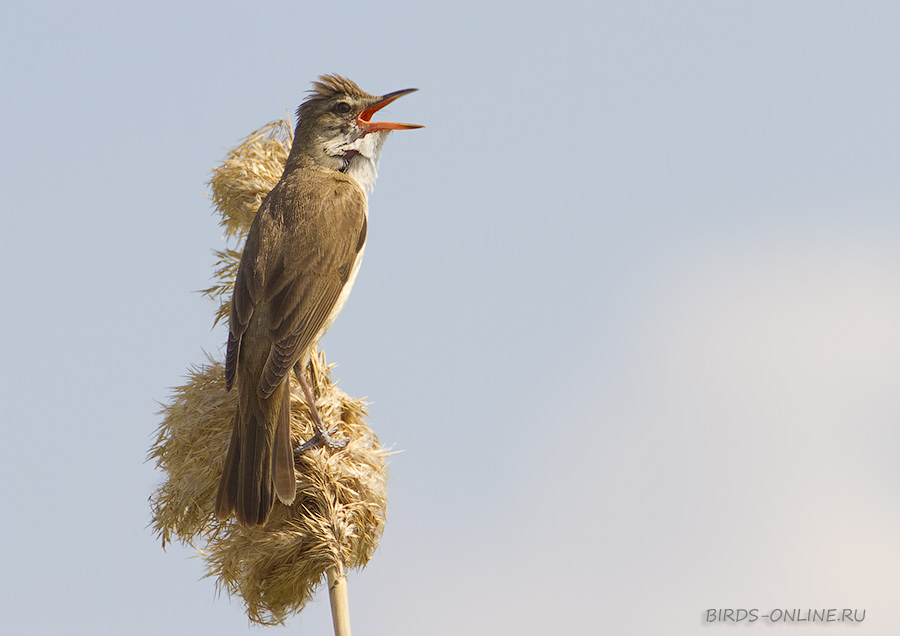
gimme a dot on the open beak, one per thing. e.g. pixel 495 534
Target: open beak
pixel 364 119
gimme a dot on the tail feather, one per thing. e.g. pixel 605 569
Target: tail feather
pixel 254 496
pixel 228 485
pixel 283 476
pixel 260 462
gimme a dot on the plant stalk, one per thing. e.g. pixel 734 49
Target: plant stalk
pixel 337 594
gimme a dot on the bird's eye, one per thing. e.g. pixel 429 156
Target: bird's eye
pixel 342 108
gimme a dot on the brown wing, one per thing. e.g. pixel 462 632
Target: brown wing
pixel 299 311
pixel 297 258
pixel 308 274
pixel 247 287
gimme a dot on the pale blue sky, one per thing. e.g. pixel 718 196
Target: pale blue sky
pixel 630 305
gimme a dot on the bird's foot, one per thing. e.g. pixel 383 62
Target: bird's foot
pixel 322 437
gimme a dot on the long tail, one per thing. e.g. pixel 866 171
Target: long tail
pixel 260 461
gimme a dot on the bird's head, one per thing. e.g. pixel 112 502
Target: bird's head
pixel 335 128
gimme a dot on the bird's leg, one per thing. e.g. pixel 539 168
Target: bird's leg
pixel 321 435
pixel 313 377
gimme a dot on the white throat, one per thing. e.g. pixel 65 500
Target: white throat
pixel 361 157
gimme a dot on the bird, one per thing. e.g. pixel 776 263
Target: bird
pixel 299 262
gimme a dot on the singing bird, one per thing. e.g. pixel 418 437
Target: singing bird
pixel 299 262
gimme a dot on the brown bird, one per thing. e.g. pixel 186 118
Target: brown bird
pixel 299 262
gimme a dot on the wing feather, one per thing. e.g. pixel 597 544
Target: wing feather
pixel 304 283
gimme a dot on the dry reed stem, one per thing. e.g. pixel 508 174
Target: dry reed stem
pixel 340 607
